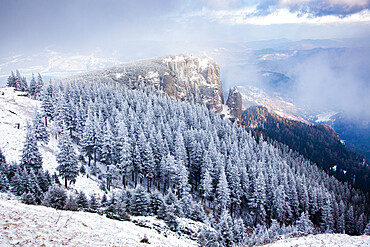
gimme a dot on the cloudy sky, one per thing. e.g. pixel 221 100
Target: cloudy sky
pixel 46 34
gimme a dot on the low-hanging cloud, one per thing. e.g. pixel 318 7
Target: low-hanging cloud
pixel 336 82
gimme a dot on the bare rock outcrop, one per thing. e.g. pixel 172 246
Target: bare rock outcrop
pixel 234 102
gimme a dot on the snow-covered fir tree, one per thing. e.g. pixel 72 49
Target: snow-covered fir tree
pixel 32 88
pixel 39 87
pixel 31 157
pixel 67 159
pixel 39 127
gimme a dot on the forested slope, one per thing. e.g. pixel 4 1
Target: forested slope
pixel 172 159
pixel 319 143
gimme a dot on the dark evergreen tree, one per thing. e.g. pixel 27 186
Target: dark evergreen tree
pixel 31 157
pixel 350 222
pixel 11 80
pixel 233 178
pixel 28 198
pixel 208 237
pixel 367 229
pixel 360 224
pixel 106 153
pixel 20 82
pixel 304 224
pixel 156 200
pixel 39 127
pixel 198 213
pixel 55 197
pixel 239 231
pixel 111 174
pixel 44 180
pixel 206 182
pixel 93 203
pixel 341 220
pixel 17 185
pixel 47 105
pixel 122 152
pixel 88 141
pixel 112 204
pixel 139 202
pixel 39 87
pixel 104 200
pixel 71 203
pixel 4 183
pixel 225 229
pixel 222 193
pixel 260 236
pixel 67 160
pixel 327 221
pixel 33 187
pixel 82 201
pixel 170 217
pixel 32 88
pixel 56 179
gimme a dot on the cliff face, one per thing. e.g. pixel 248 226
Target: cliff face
pixel 234 102
pixel 188 78
pixel 193 78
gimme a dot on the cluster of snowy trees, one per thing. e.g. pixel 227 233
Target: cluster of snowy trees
pixel 173 159
pixel 27 179
pixel 35 88
pixel 134 137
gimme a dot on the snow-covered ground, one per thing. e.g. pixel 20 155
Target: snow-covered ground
pixel 328 240
pixel 27 225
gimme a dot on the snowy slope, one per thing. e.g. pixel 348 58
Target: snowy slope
pixel 16 109
pixel 27 225
pixel 328 240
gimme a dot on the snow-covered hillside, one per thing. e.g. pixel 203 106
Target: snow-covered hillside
pixel 16 109
pixel 328 240
pixel 27 225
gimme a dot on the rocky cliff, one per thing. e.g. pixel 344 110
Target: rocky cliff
pixel 234 102
pixel 194 79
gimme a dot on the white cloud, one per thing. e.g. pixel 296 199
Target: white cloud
pixel 350 3
pixel 280 16
pixel 220 4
